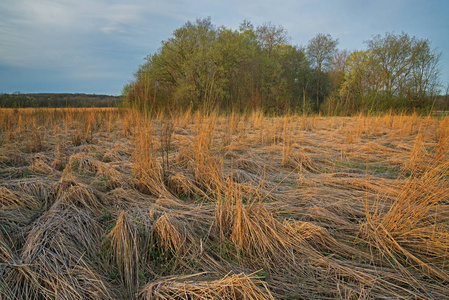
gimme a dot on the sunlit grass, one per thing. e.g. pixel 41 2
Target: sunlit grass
pixel 110 203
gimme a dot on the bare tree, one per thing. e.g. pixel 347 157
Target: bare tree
pixel 337 68
pixel 408 66
pixel 320 51
pixel 270 35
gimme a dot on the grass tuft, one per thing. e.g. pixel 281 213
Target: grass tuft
pixel 239 286
pixel 124 241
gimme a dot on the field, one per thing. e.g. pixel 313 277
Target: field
pixel 108 203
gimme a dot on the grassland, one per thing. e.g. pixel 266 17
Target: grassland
pixel 108 203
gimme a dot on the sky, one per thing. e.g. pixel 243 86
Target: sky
pixel 95 46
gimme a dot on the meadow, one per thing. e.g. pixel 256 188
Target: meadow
pixel 115 204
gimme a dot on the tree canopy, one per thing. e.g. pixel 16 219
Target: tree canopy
pixel 203 66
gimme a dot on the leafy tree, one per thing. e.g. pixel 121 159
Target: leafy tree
pixel 203 67
pixel 296 72
pixel 359 81
pixel 239 66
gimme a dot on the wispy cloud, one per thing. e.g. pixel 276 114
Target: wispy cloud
pixel 105 39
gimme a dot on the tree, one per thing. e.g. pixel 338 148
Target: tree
pixel 203 66
pixel 337 68
pixel 424 77
pixel 359 81
pixel 296 72
pixel 184 69
pixel 271 36
pixel 237 54
pixel 320 51
pixel 408 69
pixel 392 53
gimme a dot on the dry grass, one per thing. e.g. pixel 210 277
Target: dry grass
pixel 10 198
pixel 52 263
pixel 412 231
pixel 170 234
pixel 124 242
pixel 101 204
pixel 230 287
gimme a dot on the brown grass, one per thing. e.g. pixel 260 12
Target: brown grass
pixel 124 241
pixel 230 287
pixel 109 203
pixel 52 260
pixel 412 231
pixel 170 234
pixel 10 198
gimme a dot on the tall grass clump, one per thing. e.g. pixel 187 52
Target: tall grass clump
pixel 199 158
pixel 412 231
pixel 255 233
pixel 147 170
pixel 170 234
pixel 207 166
pixel 443 139
pixel 176 243
pixel 123 245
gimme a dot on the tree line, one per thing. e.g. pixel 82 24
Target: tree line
pixel 206 67
pixel 17 100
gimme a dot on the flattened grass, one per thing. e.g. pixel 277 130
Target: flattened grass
pixel 116 204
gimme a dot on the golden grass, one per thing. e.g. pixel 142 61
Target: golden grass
pixel 239 286
pixel 411 228
pixel 52 263
pixel 10 198
pixel 71 192
pixel 170 234
pixel 124 241
pixel 109 203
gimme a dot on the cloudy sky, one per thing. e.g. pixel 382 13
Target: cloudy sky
pixel 95 46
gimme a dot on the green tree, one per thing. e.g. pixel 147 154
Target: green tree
pixel 296 71
pixel 356 91
pixel 237 56
pixel 204 67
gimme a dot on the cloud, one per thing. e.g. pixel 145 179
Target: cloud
pixel 117 17
pixel 40 32
pixel 81 41
pixel 109 38
pixel 114 28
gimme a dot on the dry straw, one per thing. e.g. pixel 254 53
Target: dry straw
pixel 239 286
pixel 124 241
pixel 320 207
pixel 412 231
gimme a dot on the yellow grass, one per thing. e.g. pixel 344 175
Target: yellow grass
pixel 111 203
pixel 230 287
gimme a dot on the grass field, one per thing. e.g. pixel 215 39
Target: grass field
pixel 108 203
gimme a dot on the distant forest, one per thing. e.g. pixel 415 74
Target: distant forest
pixel 203 67
pixel 17 100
